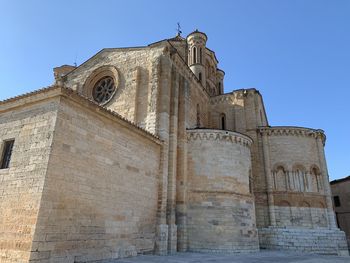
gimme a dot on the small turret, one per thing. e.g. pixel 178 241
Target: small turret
pixel 196 54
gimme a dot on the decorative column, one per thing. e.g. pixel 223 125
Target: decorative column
pixel 320 138
pixel 268 175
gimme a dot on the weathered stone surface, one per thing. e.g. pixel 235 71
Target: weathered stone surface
pixel 165 162
pixel 322 241
pixel 221 214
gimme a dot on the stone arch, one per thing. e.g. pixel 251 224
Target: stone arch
pixel 299 177
pixel 315 176
pixel 280 177
pixel 284 214
pixel 96 76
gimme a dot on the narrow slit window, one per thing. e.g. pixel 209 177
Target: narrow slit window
pixel 194 55
pixel 223 121
pixel 6 154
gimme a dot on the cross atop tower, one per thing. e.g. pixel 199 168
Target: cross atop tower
pixel 178 29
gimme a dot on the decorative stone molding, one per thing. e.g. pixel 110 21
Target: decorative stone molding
pixel 219 135
pixel 292 131
pixel 225 98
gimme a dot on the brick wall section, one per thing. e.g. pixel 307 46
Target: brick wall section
pixel 100 195
pixel 22 183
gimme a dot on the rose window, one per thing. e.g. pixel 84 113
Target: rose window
pixel 103 90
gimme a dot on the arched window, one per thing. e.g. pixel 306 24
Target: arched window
pixel 300 183
pixel 280 179
pixel 315 179
pixel 200 77
pixel 223 121
pixel 200 55
pixel 194 55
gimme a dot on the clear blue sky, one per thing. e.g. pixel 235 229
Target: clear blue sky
pixel 296 52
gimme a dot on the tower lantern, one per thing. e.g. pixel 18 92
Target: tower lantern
pixel 196 54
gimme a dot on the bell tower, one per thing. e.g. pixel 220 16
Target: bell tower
pixel 196 42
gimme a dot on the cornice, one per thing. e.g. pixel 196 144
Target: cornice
pixel 219 135
pixel 292 131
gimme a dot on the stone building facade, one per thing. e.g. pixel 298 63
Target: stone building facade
pixel 138 150
pixel 341 201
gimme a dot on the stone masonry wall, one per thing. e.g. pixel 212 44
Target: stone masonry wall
pixel 221 215
pixel 137 80
pixel 21 185
pixel 101 192
pixel 293 152
pixel 297 183
pixel 198 107
pixel 322 241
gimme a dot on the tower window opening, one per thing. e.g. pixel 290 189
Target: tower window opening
pixel 223 121
pixel 200 77
pixel 194 51
pixel 219 87
pixel 200 55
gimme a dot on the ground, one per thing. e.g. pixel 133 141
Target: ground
pixel 260 257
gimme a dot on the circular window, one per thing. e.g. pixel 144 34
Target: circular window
pixel 103 90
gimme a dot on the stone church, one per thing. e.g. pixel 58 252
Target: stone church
pixel 139 150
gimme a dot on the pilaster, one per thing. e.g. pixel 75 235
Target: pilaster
pixel 325 179
pixel 172 153
pixel 269 181
pixel 181 187
pixel 161 105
